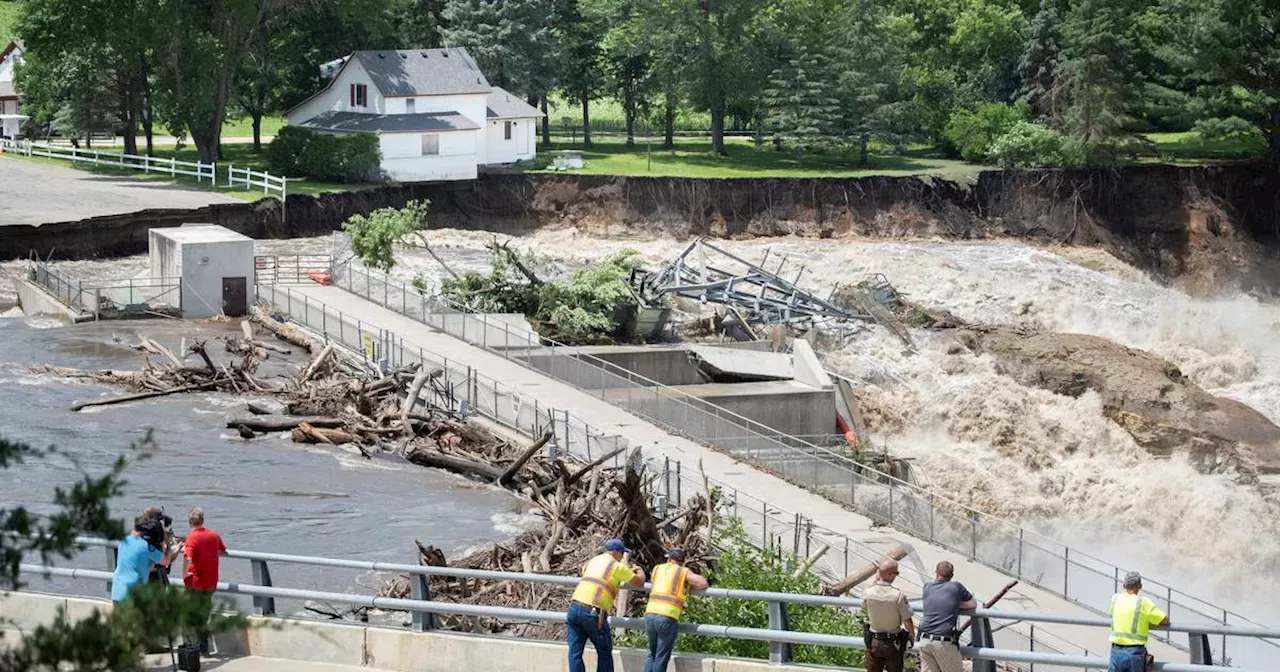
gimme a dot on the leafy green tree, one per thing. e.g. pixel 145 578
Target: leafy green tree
pixel 971 132
pixel 626 54
pixel 374 237
pixel 199 54
pixel 582 27
pixel 1031 145
pixel 153 614
pixel 1239 64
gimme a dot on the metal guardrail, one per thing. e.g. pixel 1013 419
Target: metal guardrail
pixel 424 608
pixel 474 392
pixel 1030 556
pixel 94 297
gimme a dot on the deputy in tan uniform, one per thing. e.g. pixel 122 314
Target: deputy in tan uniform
pixel 890 631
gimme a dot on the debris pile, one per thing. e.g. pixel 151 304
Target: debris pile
pixel 410 414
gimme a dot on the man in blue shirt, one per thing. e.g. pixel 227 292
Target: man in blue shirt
pixel 136 554
pixel 943 600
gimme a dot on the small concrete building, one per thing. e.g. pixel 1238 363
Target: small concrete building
pixel 214 263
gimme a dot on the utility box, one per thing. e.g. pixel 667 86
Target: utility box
pixel 215 265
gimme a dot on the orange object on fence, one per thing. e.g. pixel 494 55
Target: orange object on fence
pixel 320 277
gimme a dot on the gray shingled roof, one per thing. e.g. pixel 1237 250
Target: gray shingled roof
pixel 355 122
pixel 423 72
pixel 505 105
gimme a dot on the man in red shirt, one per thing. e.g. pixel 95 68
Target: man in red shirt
pixel 200 567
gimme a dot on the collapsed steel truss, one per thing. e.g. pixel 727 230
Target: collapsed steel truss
pixel 706 273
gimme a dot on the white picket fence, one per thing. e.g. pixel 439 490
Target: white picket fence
pixel 241 177
pixel 253 179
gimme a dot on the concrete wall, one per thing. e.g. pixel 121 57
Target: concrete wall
pixel 403 160
pixel 204 265
pixel 806 366
pixel 669 366
pixel 786 406
pixel 35 301
pixel 381 648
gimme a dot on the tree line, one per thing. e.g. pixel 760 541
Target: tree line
pixel 1009 79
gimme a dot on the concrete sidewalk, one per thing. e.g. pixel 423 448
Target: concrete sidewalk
pixel 163 663
pixel 658 443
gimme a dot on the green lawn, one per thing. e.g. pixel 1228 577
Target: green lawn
pixel 693 158
pixel 10 11
pixel 1189 147
pixel 243 127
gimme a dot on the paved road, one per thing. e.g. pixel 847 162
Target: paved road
pixel 32 192
pixel 657 443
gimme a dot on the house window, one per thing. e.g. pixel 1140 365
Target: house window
pixel 506 131
pixel 359 95
pixel 410 105
pixel 430 144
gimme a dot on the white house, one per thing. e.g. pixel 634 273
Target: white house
pixel 10 118
pixel 435 114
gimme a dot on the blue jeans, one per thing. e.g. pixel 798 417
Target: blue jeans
pixel 1128 658
pixel 662 641
pixel 583 626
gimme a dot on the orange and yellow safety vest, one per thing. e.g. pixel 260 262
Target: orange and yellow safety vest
pixel 598 586
pixel 670 592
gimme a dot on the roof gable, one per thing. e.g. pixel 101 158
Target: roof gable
pixel 502 104
pixel 423 72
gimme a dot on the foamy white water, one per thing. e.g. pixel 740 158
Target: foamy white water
pixel 1041 459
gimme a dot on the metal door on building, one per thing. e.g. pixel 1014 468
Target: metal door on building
pixel 235 298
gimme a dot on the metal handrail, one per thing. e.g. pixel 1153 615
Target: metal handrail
pixel 306 319
pixel 1068 555
pixel 733 632
pixel 731 593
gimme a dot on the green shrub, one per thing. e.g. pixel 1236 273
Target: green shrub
pixel 286 148
pixel 1231 128
pixel 301 152
pixel 971 132
pixel 1030 145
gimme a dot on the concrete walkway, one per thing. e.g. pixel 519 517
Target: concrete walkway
pixel 658 443
pixel 163 663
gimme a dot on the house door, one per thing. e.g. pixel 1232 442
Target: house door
pixel 235 299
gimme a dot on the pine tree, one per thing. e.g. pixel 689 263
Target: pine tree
pixel 1040 65
pixel 801 108
pixel 1102 67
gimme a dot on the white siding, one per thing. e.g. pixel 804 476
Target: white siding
pixel 521 147
pixel 402 157
pixel 337 97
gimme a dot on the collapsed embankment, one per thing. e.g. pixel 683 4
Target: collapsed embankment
pixel 1203 227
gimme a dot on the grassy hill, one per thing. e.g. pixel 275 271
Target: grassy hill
pixel 10 10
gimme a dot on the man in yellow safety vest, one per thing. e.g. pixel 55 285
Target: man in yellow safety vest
pixel 592 599
pixel 1132 615
pixel 672 583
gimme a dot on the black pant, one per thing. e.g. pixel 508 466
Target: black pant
pixel 197 631
pixel 885 655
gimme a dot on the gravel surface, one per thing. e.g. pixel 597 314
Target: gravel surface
pixel 41 193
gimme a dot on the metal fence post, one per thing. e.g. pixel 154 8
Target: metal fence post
pixel 111 565
pixel 421 590
pixel 779 652
pixel 265 606
pixel 1066 569
pixel 982 637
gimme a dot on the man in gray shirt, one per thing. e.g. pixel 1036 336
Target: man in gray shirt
pixel 943 600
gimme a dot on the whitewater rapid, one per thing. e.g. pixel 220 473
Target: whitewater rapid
pixel 1043 460
pixel 1048 461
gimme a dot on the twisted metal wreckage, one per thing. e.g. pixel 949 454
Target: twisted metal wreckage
pixel 754 296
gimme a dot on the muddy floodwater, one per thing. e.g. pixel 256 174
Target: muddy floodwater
pixel 268 494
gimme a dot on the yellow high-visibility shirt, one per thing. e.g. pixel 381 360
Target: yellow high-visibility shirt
pixel 600 581
pixel 670 591
pixel 1131 617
